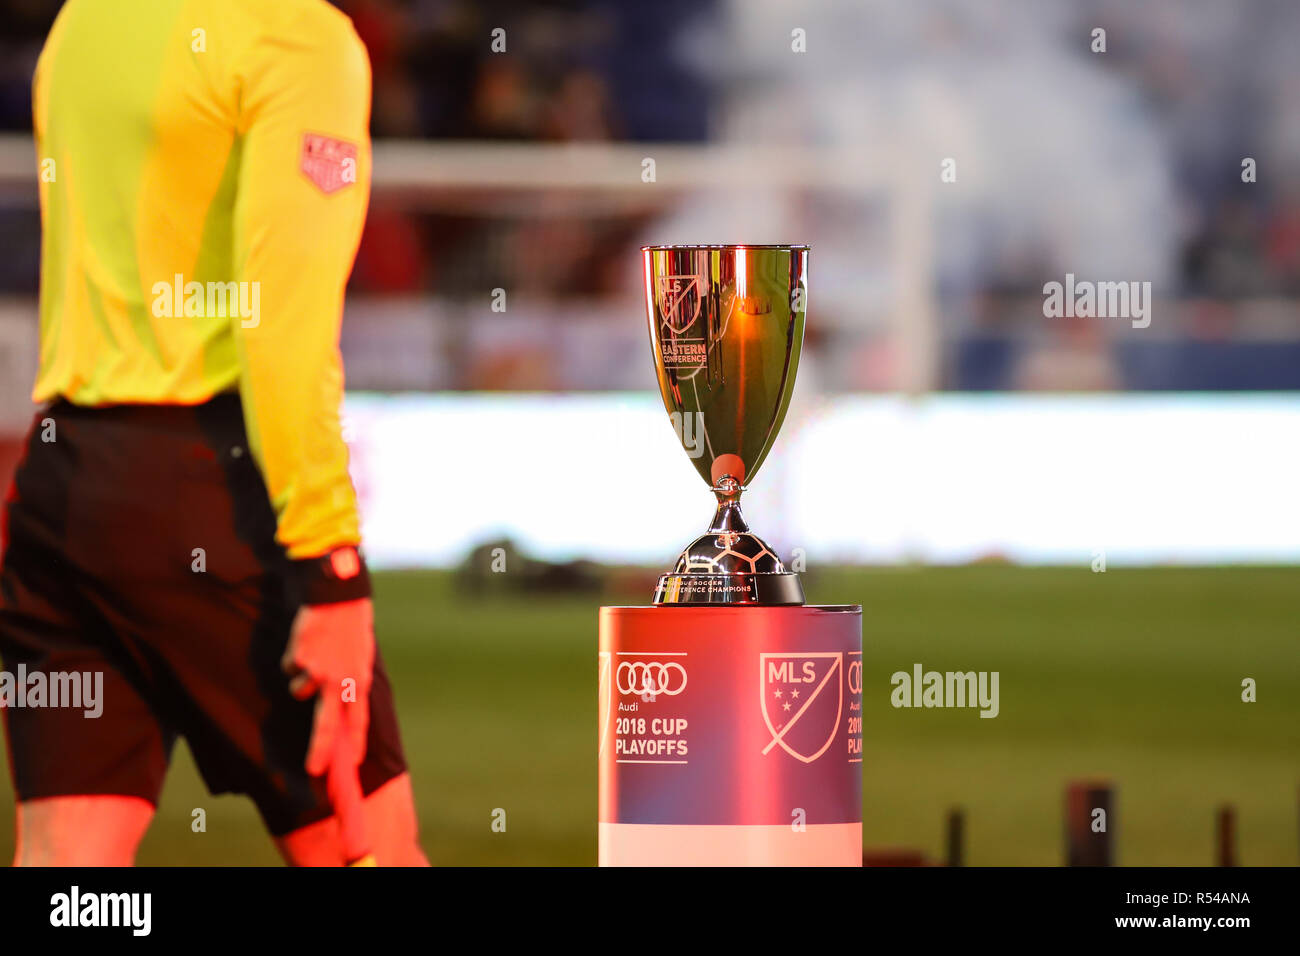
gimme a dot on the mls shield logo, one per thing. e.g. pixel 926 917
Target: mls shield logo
pixel 802 697
pixel 679 301
pixel 329 163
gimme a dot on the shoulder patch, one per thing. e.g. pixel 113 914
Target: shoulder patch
pixel 329 163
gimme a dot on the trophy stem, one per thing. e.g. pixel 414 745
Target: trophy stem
pixel 728 516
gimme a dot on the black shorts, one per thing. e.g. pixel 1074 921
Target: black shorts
pixel 141 546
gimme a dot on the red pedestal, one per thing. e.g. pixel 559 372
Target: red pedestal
pixel 730 736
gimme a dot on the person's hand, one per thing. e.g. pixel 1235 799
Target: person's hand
pixel 331 652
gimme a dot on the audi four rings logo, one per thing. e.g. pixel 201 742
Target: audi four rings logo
pixel 651 677
pixel 855 677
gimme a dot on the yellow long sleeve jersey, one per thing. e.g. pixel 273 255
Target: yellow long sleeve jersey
pixel 204 175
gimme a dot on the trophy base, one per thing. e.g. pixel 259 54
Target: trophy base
pixel 767 589
pixel 696 769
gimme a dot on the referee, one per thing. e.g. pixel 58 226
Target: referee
pixel 182 522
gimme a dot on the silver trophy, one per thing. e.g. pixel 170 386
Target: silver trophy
pixel 726 324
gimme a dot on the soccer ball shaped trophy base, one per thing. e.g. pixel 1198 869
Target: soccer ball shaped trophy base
pixel 729 564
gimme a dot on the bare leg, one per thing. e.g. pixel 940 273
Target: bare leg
pixel 390 825
pixel 97 830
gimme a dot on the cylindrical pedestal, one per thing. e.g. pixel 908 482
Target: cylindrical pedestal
pixel 730 736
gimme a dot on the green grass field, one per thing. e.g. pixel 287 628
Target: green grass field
pixel 1131 675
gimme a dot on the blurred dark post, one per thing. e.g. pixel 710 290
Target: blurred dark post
pixel 1226 842
pixel 1084 845
pixel 956 826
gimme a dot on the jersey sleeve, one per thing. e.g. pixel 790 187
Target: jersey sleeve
pixel 303 187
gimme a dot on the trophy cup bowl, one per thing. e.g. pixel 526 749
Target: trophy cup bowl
pixel 726 326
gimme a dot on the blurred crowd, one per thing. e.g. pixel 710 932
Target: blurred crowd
pixel 572 70
pixel 575 69
pixel 1161 122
